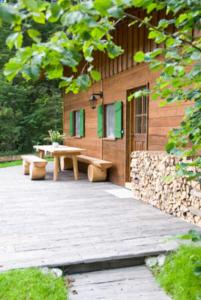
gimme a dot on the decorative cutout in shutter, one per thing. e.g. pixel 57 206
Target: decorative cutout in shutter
pixel 71 128
pixel 82 122
pixel 118 119
pixel 100 121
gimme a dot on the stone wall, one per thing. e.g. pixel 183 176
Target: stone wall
pixel 154 181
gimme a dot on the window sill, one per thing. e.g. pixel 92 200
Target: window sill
pixel 77 137
pixel 108 139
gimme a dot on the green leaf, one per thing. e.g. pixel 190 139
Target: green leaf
pixel 39 17
pixel 102 6
pixel 139 56
pixel 113 50
pixel 153 34
pixel 95 75
pixel 12 68
pixel 8 13
pixel 83 81
pixel 14 39
pixel 72 18
pixel 181 18
pixel 55 71
pixel 34 35
pixel 115 12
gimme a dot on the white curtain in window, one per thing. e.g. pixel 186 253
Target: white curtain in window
pixel 77 123
pixel 110 121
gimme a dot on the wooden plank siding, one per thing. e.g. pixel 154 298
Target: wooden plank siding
pixel 118 77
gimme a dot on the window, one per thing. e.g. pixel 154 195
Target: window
pixel 141 115
pixel 77 123
pixel 110 121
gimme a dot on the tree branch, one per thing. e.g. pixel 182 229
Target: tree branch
pixel 151 26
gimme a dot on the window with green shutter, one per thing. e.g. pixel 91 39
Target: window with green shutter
pixel 77 123
pixel 111 120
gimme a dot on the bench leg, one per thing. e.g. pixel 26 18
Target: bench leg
pixel 26 166
pixel 36 172
pixel 96 174
pixel 66 163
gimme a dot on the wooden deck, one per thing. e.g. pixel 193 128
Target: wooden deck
pixel 77 224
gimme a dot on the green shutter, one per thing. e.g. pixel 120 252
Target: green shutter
pixel 118 119
pixel 100 121
pixel 71 129
pixel 82 122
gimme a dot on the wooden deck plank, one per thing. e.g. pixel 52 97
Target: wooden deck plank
pixel 122 284
pixel 64 222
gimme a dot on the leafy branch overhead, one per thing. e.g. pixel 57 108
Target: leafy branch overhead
pixel 84 27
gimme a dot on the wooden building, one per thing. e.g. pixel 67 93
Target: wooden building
pixel 116 127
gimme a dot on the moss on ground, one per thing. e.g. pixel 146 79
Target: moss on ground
pixel 181 274
pixel 31 284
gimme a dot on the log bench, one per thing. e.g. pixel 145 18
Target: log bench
pixel 34 166
pixel 97 168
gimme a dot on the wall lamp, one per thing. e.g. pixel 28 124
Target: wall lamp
pixel 93 99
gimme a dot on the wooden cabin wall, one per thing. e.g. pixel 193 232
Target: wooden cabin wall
pixel 118 77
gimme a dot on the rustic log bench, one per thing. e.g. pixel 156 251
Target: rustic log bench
pixel 97 168
pixel 34 166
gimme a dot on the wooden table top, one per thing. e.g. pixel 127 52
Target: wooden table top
pixel 59 150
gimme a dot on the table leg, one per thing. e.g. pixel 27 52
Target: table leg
pixel 56 167
pixel 75 167
pixel 41 153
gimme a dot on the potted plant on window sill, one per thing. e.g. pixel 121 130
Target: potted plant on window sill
pixel 55 137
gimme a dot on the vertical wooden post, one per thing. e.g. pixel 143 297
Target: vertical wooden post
pixel 56 167
pixel 75 167
pixel 41 153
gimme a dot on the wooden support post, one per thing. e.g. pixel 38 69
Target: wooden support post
pixel 56 167
pixel 26 166
pixel 75 167
pixel 41 153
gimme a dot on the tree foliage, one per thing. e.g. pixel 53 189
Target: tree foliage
pixel 27 109
pixel 86 26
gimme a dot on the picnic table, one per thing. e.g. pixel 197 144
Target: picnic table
pixel 57 152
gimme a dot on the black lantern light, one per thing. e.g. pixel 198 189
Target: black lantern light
pixel 93 99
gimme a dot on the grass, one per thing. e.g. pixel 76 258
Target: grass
pixel 31 284
pixel 10 163
pixel 17 163
pixel 181 274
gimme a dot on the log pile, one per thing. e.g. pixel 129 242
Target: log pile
pixel 154 181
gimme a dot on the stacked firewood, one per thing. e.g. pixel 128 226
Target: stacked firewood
pixel 155 181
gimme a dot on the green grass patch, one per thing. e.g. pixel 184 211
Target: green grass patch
pixel 181 274
pixel 17 163
pixel 31 284
pixel 10 163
